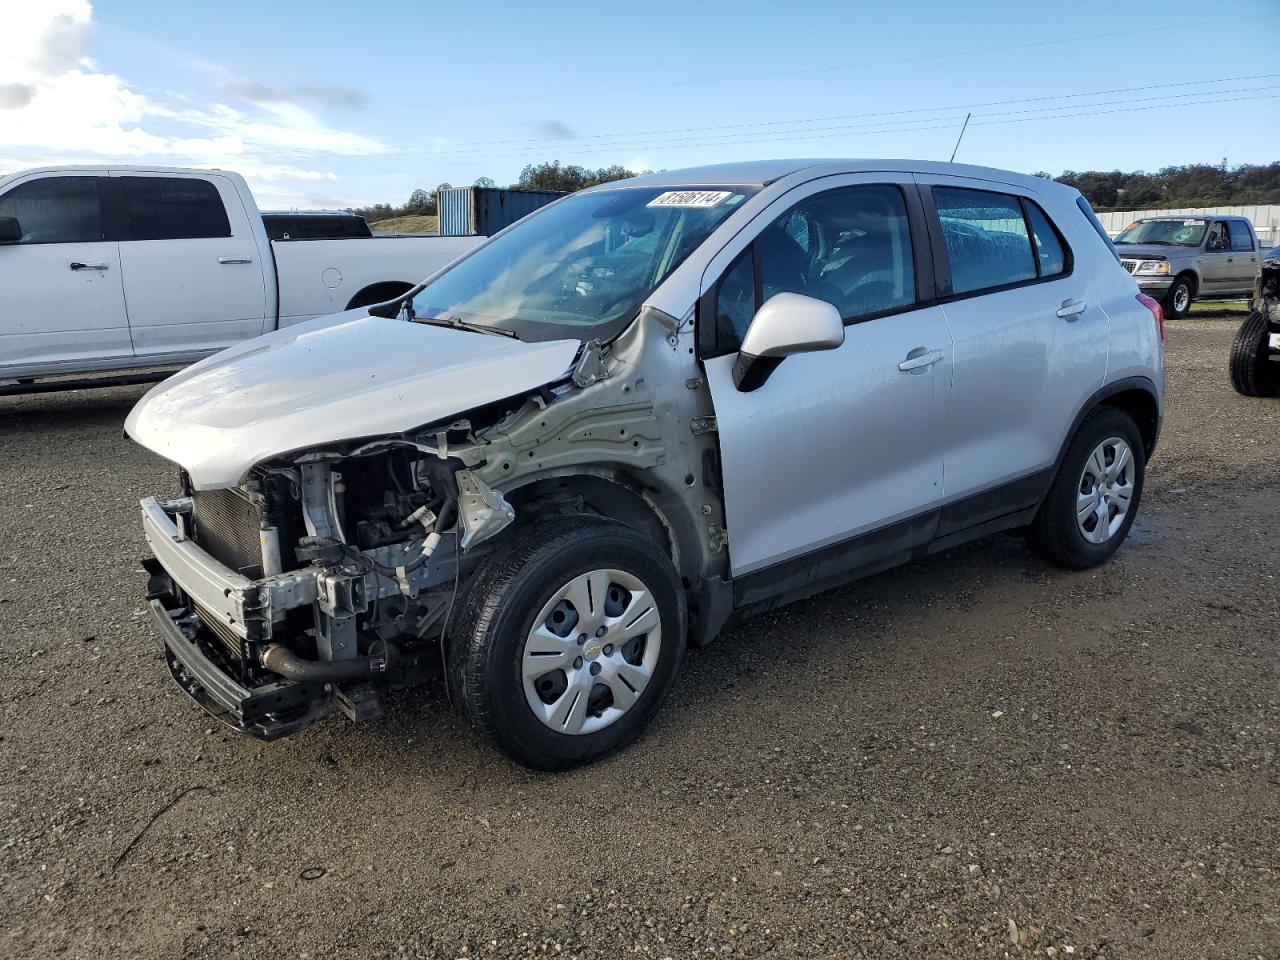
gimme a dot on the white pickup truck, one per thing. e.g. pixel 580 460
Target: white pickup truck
pixel 113 269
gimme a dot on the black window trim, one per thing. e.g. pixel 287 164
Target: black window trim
pixel 104 222
pixel 921 254
pixel 942 261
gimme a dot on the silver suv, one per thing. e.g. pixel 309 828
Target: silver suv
pixel 643 412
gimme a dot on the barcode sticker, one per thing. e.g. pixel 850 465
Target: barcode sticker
pixel 689 198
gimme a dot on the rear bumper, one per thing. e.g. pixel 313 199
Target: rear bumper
pixel 265 712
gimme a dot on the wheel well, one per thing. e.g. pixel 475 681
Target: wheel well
pixel 379 293
pixel 1141 406
pixel 590 494
pixel 1192 278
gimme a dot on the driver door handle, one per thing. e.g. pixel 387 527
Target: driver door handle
pixel 99 265
pixel 918 359
pixel 1072 308
pixel 235 259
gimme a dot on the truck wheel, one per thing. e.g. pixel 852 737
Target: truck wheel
pixel 1094 498
pixel 378 293
pixel 568 641
pixel 1177 300
pixel 1251 372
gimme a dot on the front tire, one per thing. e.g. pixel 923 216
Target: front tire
pixel 1095 495
pixel 1252 374
pixel 1177 300
pixel 568 641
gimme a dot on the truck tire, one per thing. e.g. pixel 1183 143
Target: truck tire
pixel 1095 495
pixel 1177 299
pixel 1252 374
pixel 568 641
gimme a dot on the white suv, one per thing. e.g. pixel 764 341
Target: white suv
pixel 644 411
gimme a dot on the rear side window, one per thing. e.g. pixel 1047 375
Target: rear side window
pixel 986 238
pixel 315 228
pixel 56 210
pixel 1051 255
pixel 1241 237
pixel 172 208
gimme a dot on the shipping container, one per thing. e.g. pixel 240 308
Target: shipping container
pixel 483 211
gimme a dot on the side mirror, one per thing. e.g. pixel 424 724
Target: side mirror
pixel 787 323
pixel 10 230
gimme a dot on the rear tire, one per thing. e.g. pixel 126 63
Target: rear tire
pixel 1088 512
pixel 1252 374
pixel 1178 298
pixel 517 600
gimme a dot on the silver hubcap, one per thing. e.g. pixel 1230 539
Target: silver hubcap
pixel 1182 297
pixel 1106 490
pixel 591 651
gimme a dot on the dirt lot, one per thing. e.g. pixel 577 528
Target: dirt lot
pixel 975 756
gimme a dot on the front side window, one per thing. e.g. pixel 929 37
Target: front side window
pixel 1241 237
pixel 55 210
pixel 1219 238
pixel 1170 232
pixel 172 208
pixel 850 247
pixel 581 267
pixel 986 238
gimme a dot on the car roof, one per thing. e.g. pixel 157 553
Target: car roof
pixel 764 172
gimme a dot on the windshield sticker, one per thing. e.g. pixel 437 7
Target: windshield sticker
pixel 689 198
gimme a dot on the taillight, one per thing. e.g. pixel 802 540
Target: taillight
pixel 1156 311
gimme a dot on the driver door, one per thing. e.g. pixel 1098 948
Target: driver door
pixel 1215 260
pixel 834 464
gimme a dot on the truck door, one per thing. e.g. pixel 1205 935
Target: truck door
pixel 833 464
pixel 63 303
pixel 192 275
pixel 1244 257
pixel 1216 261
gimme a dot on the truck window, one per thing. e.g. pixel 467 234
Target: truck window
pixel 1219 238
pixel 172 208
pixel 1241 236
pixel 56 210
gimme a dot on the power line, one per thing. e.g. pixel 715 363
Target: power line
pixel 871 63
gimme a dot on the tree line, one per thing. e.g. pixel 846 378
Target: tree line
pixel 1192 185
pixel 552 175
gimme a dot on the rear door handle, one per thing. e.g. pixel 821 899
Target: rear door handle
pixel 99 265
pixel 235 259
pixel 919 359
pixel 1072 308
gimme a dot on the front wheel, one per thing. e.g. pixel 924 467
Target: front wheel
pixel 1252 373
pixel 1177 301
pixel 568 642
pixel 1094 498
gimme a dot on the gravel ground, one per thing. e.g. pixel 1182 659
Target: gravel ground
pixel 976 756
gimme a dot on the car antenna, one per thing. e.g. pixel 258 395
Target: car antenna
pixel 959 138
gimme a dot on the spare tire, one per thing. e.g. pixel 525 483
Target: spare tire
pixel 1252 373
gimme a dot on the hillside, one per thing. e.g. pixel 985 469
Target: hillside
pixel 411 224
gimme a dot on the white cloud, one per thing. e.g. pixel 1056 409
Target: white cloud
pixel 57 106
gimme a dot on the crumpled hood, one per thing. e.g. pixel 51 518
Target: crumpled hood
pixel 342 377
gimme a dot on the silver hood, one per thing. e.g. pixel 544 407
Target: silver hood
pixel 343 377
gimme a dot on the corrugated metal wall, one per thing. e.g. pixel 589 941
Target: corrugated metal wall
pixel 1265 218
pixel 483 211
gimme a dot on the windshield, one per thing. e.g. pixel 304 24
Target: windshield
pixel 580 268
pixel 1180 232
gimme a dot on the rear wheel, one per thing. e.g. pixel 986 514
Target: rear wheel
pixel 1252 374
pixel 1177 300
pixel 568 641
pixel 1094 498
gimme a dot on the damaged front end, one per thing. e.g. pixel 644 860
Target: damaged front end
pixel 328 576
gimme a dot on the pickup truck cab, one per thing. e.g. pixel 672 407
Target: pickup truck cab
pixel 1178 259
pixel 115 268
pixel 640 413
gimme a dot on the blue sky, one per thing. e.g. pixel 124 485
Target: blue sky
pixel 327 103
